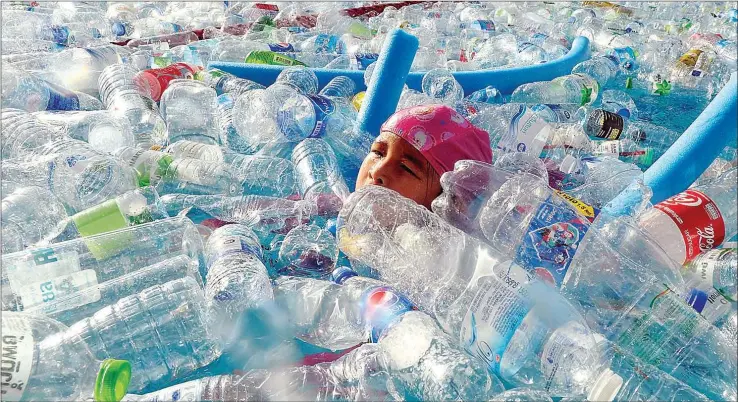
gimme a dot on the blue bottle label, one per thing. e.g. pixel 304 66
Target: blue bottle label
pixel 697 299
pixel 324 107
pixel 364 60
pixel 281 47
pixel 61 98
pixel 553 235
pixel 380 307
pixel 485 25
pixel 325 43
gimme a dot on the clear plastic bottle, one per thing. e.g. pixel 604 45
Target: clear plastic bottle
pixel 308 251
pixel 23 133
pixel 339 87
pixel 38 364
pixel 24 91
pixel 518 326
pixel 577 88
pixel 103 130
pixel 76 174
pixel 163 331
pixel 717 268
pixel 300 78
pixel 694 221
pixel 225 83
pixel 440 84
pixel 237 280
pixel 188 108
pixel 68 267
pixel 28 215
pixel 317 170
pixel 121 95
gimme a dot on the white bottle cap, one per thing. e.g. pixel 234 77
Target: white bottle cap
pixel 606 387
pixel 569 164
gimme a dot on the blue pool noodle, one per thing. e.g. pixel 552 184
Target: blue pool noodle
pixel 691 154
pixel 505 80
pixel 387 81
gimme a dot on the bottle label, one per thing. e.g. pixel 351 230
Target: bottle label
pixel 162 77
pixel 608 148
pixel 381 306
pixel 271 58
pixel 495 313
pixel 41 263
pixel 233 244
pixel 528 132
pixel 325 43
pixel 553 235
pixel 364 60
pixel 281 47
pixel 17 357
pixel 698 218
pixel 62 293
pixel 713 268
pixel 102 218
pixel 605 125
pixel 324 107
pixel 710 303
pixel 61 98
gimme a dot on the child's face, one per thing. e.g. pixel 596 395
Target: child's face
pixel 397 165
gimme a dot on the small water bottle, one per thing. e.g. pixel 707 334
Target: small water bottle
pixel 575 88
pixel 23 133
pixel 300 78
pixel 188 108
pixel 225 83
pixel 28 215
pixel 317 169
pixel 39 366
pixel 25 91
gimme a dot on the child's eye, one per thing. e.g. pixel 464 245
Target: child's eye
pixel 407 169
pixel 377 152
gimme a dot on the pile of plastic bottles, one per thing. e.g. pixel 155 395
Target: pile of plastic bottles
pixel 173 232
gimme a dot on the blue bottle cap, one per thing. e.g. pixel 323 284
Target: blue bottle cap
pixel 624 112
pixel 340 274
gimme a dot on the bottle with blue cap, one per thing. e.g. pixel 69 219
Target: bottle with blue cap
pixel 25 91
pixel 40 364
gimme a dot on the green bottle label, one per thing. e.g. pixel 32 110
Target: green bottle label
pixel 103 218
pixel 271 58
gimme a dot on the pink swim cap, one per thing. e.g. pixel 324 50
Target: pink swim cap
pixel 441 134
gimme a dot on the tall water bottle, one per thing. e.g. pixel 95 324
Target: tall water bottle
pixel 24 91
pixel 339 87
pixel 121 95
pixel 39 366
pixel 229 136
pixel 518 326
pixel 188 108
pixel 355 309
pixel 76 174
pixel 577 88
pixel 317 170
pixel 267 216
pixel 603 69
pixel 343 379
pixel 226 83
pixel 103 130
pixel 47 276
pixel 163 331
pixel 695 220
pixel 28 215
pixel 308 250
pixel 237 280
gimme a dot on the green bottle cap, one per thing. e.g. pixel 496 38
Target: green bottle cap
pixel 112 380
pixel 647 159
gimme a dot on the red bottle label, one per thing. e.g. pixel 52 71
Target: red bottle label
pixel 698 219
pixel 156 80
